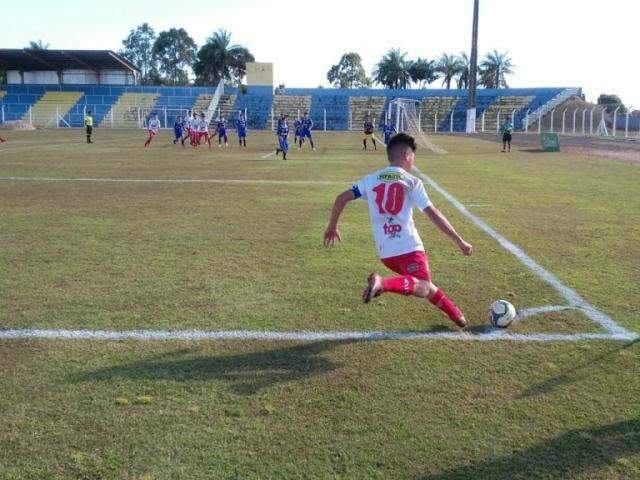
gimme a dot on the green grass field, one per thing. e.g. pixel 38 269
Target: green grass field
pixel 248 255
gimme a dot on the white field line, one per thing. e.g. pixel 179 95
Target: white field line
pixel 567 293
pixel 479 206
pixel 270 154
pixel 530 312
pixel 199 335
pixel 173 180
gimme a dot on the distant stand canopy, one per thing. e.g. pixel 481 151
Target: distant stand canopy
pixel 70 67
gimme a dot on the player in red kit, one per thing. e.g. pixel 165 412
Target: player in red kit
pixel 391 194
pixel 153 126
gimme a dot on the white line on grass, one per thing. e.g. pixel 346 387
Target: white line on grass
pixel 530 312
pixel 173 180
pixel 199 335
pixel 270 154
pixel 570 295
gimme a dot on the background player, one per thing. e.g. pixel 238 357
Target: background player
pixel 368 133
pixel 203 130
pixel 187 128
pixel 297 135
pixel 88 124
pixel 507 133
pixel 178 130
pixel 389 129
pixel 221 130
pixel 2 140
pixel 283 134
pixel 241 127
pixel 391 194
pixel 153 126
pixel 307 126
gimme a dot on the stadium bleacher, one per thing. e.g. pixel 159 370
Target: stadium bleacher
pixel 342 107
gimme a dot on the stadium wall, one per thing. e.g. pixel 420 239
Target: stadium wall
pixel 338 105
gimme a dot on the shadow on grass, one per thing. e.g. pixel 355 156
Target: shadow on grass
pixel 573 374
pixel 575 452
pixel 245 373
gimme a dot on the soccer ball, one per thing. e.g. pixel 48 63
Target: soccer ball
pixel 502 314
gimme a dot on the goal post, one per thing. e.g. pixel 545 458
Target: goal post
pixel 404 111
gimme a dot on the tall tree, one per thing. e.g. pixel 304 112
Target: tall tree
pixel 348 72
pixel 423 72
pixel 463 73
pixel 138 49
pixel 219 60
pixel 449 67
pixel 611 102
pixel 174 51
pixel 494 69
pixel 392 70
pixel 38 45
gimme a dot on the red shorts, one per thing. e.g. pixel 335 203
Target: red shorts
pixel 415 264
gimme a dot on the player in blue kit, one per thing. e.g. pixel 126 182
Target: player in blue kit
pixel 283 134
pixel 307 126
pixel 221 130
pixel 297 125
pixel 241 126
pixel 388 129
pixel 178 130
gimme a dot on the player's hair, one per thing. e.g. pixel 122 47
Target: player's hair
pixel 398 141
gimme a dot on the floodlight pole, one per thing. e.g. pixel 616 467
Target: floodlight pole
pixel 473 69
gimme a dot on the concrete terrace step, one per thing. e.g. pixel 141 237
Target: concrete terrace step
pixel 130 110
pixel 359 107
pixel 43 112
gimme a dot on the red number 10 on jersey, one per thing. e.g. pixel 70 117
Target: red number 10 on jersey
pixel 389 198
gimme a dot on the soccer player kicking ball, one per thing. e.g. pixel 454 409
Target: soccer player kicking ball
pixel 152 127
pixel 507 132
pixel 391 194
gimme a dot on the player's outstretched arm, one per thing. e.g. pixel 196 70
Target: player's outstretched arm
pixel 440 221
pixel 331 234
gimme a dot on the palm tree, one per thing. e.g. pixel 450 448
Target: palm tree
pixel 38 45
pixel 494 69
pixel 219 60
pixel 463 74
pixel 392 70
pixel 423 71
pixel 449 66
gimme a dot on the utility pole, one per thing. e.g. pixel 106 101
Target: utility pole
pixel 473 72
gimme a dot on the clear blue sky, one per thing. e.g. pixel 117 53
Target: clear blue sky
pixel 594 45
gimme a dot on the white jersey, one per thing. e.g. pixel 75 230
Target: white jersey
pixel 391 194
pixel 154 125
pixel 203 126
pixel 193 125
